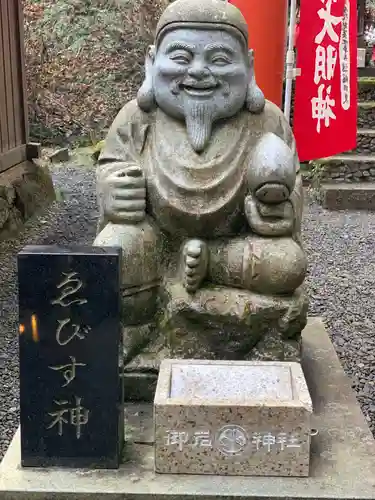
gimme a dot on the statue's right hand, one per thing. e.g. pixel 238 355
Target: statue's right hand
pixel 125 195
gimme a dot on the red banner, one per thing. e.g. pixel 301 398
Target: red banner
pixel 325 108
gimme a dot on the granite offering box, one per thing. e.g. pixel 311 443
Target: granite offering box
pixel 244 418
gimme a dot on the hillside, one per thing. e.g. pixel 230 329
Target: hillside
pixel 84 60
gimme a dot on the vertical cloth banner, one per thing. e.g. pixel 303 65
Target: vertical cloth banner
pixel 325 109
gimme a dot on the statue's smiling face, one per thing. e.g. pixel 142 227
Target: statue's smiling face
pixel 201 76
pixel 201 66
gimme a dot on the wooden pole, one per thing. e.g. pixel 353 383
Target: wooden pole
pixel 267 36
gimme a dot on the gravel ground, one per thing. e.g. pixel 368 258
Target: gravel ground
pixel 341 281
pixel 71 220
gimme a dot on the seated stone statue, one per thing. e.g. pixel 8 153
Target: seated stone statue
pixel 199 184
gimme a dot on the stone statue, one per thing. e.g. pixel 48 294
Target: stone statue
pixel 199 184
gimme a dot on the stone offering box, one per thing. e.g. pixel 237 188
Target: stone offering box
pixel 232 418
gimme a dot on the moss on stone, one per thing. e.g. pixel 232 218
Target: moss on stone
pixel 366 81
pixel 97 150
pixel 367 104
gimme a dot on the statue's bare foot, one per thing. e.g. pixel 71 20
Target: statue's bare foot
pixel 195 264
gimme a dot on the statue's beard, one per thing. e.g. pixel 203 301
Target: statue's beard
pixel 199 116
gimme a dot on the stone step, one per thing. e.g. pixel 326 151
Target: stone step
pixel 366 115
pixel 365 142
pixel 346 168
pixel 346 196
pixel 366 88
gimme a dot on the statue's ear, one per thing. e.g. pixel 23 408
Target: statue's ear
pixel 146 96
pixel 255 100
pixel 251 59
pixel 150 57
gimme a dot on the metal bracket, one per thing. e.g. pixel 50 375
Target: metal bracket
pixel 290 57
pixel 292 73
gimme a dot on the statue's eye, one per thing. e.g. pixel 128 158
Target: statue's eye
pixel 220 60
pixel 181 58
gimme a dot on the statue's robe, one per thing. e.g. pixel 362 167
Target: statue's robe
pixel 200 196
pixel 190 194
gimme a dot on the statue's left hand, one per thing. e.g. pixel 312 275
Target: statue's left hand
pixel 270 220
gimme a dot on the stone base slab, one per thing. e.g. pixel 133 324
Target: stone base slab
pixel 359 196
pixel 342 453
pixel 229 324
pixel 216 323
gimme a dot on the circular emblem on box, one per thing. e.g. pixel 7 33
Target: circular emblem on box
pixel 231 440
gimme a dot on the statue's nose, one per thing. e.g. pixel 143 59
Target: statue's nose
pixel 198 71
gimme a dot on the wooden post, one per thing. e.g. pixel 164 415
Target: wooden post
pixel 267 36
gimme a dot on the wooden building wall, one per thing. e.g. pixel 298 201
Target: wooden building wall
pixel 13 103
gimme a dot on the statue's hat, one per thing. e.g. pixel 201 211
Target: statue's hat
pixel 202 14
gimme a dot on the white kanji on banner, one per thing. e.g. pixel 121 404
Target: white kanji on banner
pixel 322 107
pixel 325 63
pixel 329 22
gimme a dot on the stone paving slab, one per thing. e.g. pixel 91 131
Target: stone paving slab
pixel 342 461
pixel 351 196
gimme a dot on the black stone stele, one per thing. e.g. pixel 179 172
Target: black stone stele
pixel 70 341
